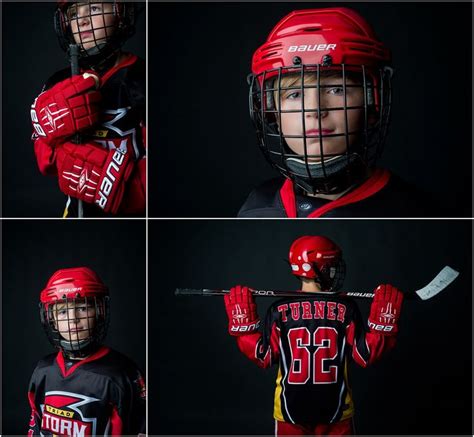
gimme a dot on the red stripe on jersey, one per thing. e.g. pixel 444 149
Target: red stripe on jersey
pixel 371 186
pixel 66 372
pixel 128 60
pixel 351 340
pixel 287 195
pixel 116 422
pixel 35 418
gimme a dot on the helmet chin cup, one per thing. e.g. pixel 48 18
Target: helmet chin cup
pixel 331 177
pixel 327 167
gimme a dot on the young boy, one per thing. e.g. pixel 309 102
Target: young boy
pixel 86 388
pixel 320 98
pixel 312 338
pixel 89 129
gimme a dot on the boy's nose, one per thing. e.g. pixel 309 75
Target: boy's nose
pixel 312 105
pixel 83 16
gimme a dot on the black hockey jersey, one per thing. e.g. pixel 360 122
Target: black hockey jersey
pixel 311 340
pixel 123 90
pixel 103 394
pixel 382 195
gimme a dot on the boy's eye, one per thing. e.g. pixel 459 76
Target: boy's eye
pixel 336 91
pixel 96 9
pixel 291 95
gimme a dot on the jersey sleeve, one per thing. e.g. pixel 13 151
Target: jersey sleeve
pixel 262 347
pixel 367 346
pixel 129 409
pixel 34 425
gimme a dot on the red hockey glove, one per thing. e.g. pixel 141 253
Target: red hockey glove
pixel 68 107
pixel 93 174
pixel 241 310
pixel 134 198
pixel 385 310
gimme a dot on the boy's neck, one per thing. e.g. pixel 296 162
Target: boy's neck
pixel 310 286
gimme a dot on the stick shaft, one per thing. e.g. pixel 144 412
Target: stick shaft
pixel 439 283
pixel 265 293
pixel 75 71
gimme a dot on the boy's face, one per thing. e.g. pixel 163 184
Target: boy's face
pixel 332 121
pixel 92 24
pixel 75 321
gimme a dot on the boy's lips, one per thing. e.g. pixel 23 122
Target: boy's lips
pixel 317 131
pixel 86 34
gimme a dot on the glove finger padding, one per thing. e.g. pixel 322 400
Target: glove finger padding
pixel 93 174
pixel 242 311
pixel 385 310
pixel 70 106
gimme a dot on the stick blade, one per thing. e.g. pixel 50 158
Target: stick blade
pixel 438 284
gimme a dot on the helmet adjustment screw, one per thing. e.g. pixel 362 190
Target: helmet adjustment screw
pixel 327 60
pixel 296 60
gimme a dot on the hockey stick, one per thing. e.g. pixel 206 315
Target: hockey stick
pixel 75 71
pixel 438 284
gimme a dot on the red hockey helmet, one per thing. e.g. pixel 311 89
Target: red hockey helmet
pixel 106 34
pixel 74 308
pixel 318 258
pixel 311 45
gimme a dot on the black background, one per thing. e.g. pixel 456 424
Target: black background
pixel 201 382
pixel 207 161
pixel 32 252
pixel 31 54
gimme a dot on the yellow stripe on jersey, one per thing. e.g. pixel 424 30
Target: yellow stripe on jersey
pixel 348 408
pixel 277 414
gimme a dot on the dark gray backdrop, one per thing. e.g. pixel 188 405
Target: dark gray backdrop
pixel 32 252
pixel 31 54
pixel 201 382
pixel 204 159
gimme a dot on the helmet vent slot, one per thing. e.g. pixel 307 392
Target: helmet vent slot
pixel 269 54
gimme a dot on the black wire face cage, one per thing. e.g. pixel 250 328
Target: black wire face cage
pixel 331 276
pixel 99 29
pixel 319 170
pixel 76 325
